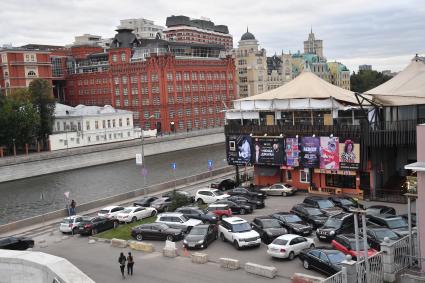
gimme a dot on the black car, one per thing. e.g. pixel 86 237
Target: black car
pixel 16 243
pixel 254 202
pixel 145 201
pixel 324 204
pixel 201 236
pixel 161 204
pixel 312 215
pixel 236 208
pixel 406 217
pixel 185 194
pixel 324 260
pixel 94 225
pixel 345 202
pixel 268 228
pixel 197 213
pixel 293 223
pixel 376 235
pixel 337 224
pixel 156 231
pixel 245 192
pixel 379 209
pixel 224 184
pixel 393 222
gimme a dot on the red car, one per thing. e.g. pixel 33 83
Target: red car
pixel 220 210
pixel 346 243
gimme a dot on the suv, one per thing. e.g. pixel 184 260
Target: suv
pixel 209 195
pixel 161 204
pixel 345 202
pixel 236 207
pixel 110 212
pixel 220 210
pixel 292 223
pixel 197 213
pixel 238 232
pixel 224 184
pixel 70 224
pixel 178 221
pixel 335 225
pixel 309 214
pixel 253 202
pixel 396 223
pixel 324 204
pixel 246 193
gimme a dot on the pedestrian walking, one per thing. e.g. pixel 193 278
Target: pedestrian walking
pixel 130 263
pixel 122 260
pixel 73 205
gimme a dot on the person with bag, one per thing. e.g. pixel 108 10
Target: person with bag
pixel 130 263
pixel 122 260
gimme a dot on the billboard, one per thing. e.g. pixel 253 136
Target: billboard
pixel 292 152
pixel 349 155
pixel 310 152
pixel 329 153
pixel 239 149
pixel 268 150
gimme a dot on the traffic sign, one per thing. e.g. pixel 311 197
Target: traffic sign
pixel 210 164
pixel 173 166
pixel 139 159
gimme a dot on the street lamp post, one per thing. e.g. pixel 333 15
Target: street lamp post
pixel 144 172
pixel 356 212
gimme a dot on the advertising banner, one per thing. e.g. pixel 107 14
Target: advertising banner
pixel 349 155
pixel 268 151
pixel 310 152
pixel 239 149
pixel 329 153
pixel 292 152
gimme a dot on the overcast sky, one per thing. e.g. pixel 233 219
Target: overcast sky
pixel 383 33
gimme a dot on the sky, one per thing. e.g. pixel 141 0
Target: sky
pixel 383 33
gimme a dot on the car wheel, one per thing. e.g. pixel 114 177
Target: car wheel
pixel 284 194
pixel 139 237
pixel 222 237
pixel 235 243
pixel 242 211
pixel 266 240
pixel 74 231
pixel 312 246
pixel 291 256
pixel 116 224
pixel 170 238
pixel 153 213
pixel 134 219
pixel 93 231
pixel 306 264
pixel 200 201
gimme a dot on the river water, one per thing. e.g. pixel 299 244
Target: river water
pixel 34 196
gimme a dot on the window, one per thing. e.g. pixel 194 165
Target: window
pixel 96 125
pixel 154 77
pixel 123 57
pixel 288 175
pixel 341 181
pixel 113 123
pixel 124 79
pixel 31 74
pixel 87 125
pixel 114 58
pixel 128 121
pixel 103 124
pixel 109 123
pixel 120 122
pixel 169 76
pixel 304 176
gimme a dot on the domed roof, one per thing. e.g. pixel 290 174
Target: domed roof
pixel 247 36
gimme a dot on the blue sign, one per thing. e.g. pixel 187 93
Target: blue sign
pixel 173 166
pixel 210 164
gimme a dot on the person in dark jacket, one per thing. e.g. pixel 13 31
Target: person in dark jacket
pixel 73 205
pixel 122 260
pixel 130 263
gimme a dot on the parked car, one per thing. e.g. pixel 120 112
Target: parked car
pixel 346 202
pixel 185 194
pixel 293 223
pixel 16 243
pixel 94 225
pixel 220 210
pixel 280 189
pixel 325 260
pixel 288 246
pixel 337 224
pixel 161 204
pixel 70 224
pixel 396 223
pixel 376 235
pixel 197 213
pixel 253 202
pixel 134 213
pixel 209 195
pixel 238 232
pixel 156 231
pixel 145 201
pixel 177 220
pixel 327 206
pixel 380 209
pixel 224 184
pixel 346 243
pixel 245 192
pixel 201 236
pixel 405 216
pixel 110 212
pixel 237 208
pixel 312 215
pixel 268 228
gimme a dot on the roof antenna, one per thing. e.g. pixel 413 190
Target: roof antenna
pixel 246 28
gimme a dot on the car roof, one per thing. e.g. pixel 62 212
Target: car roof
pixel 207 189
pixel 264 217
pixel 132 207
pixel 72 217
pixel 288 237
pixel 234 220
pixel 284 213
pixel 110 207
pixel 341 215
pixel 218 205
pixel 315 198
pixel 170 214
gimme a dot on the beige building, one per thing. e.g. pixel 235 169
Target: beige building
pixel 339 75
pixel 313 45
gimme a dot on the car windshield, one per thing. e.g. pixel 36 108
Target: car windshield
pixel 395 223
pixel 198 231
pixel 288 186
pixel 270 223
pixel 104 211
pixel 184 218
pixel 292 218
pixel 314 211
pixel 127 210
pixel 346 201
pixel 361 244
pixel 332 223
pixel 68 220
pixel 336 258
pixel 159 201
pixel 373 211
pixel 218 193
pixel 280 242
pixel 325 203
pixel 381 234
pixel 241 227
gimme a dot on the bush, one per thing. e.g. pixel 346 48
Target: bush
pixel 178 200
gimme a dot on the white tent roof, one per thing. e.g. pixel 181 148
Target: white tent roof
pixel 406 88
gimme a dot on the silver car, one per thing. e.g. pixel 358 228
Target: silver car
pixel 280 189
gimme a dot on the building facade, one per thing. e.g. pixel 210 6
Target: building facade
pixel 365 67
pixel 143 28
pixel 313 45
pixel 339 75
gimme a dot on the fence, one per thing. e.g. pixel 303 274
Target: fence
pixel 340 277
pixel 376 269
pixel 402 254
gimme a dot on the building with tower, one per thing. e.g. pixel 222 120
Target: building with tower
pixel 313 45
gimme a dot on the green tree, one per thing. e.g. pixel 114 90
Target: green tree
pixel 367 79
pixel 43 101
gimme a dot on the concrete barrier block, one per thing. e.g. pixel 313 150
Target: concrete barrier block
pixel 92 241
pixel 262 270
pixel 229 263
pixel 305 278
pixel 65 237
pixel 199 258
pixel 118 243
pixel 169 252
pixel 141 246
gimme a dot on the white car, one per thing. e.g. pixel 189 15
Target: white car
pixel 134 213
pixel 110 212
pixel 70 224
pixel 238 232
pixel 280 189
pixel 209 195
pixel 178 221
pixel 288 246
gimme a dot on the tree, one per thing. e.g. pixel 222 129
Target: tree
pixel 367 79
pixel 43 101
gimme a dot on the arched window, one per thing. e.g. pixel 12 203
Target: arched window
pixel 123 57
pixel 6 74
pixel 31 74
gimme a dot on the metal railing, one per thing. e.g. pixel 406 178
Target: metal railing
pixel 339 277
pixel 376 269
pixel 402 253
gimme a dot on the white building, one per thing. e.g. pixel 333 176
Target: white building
pixel 91 39
pixel 142 28
pixel 90 125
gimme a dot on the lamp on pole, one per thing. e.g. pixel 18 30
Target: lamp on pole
pixel 356 212
pixel 144 172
